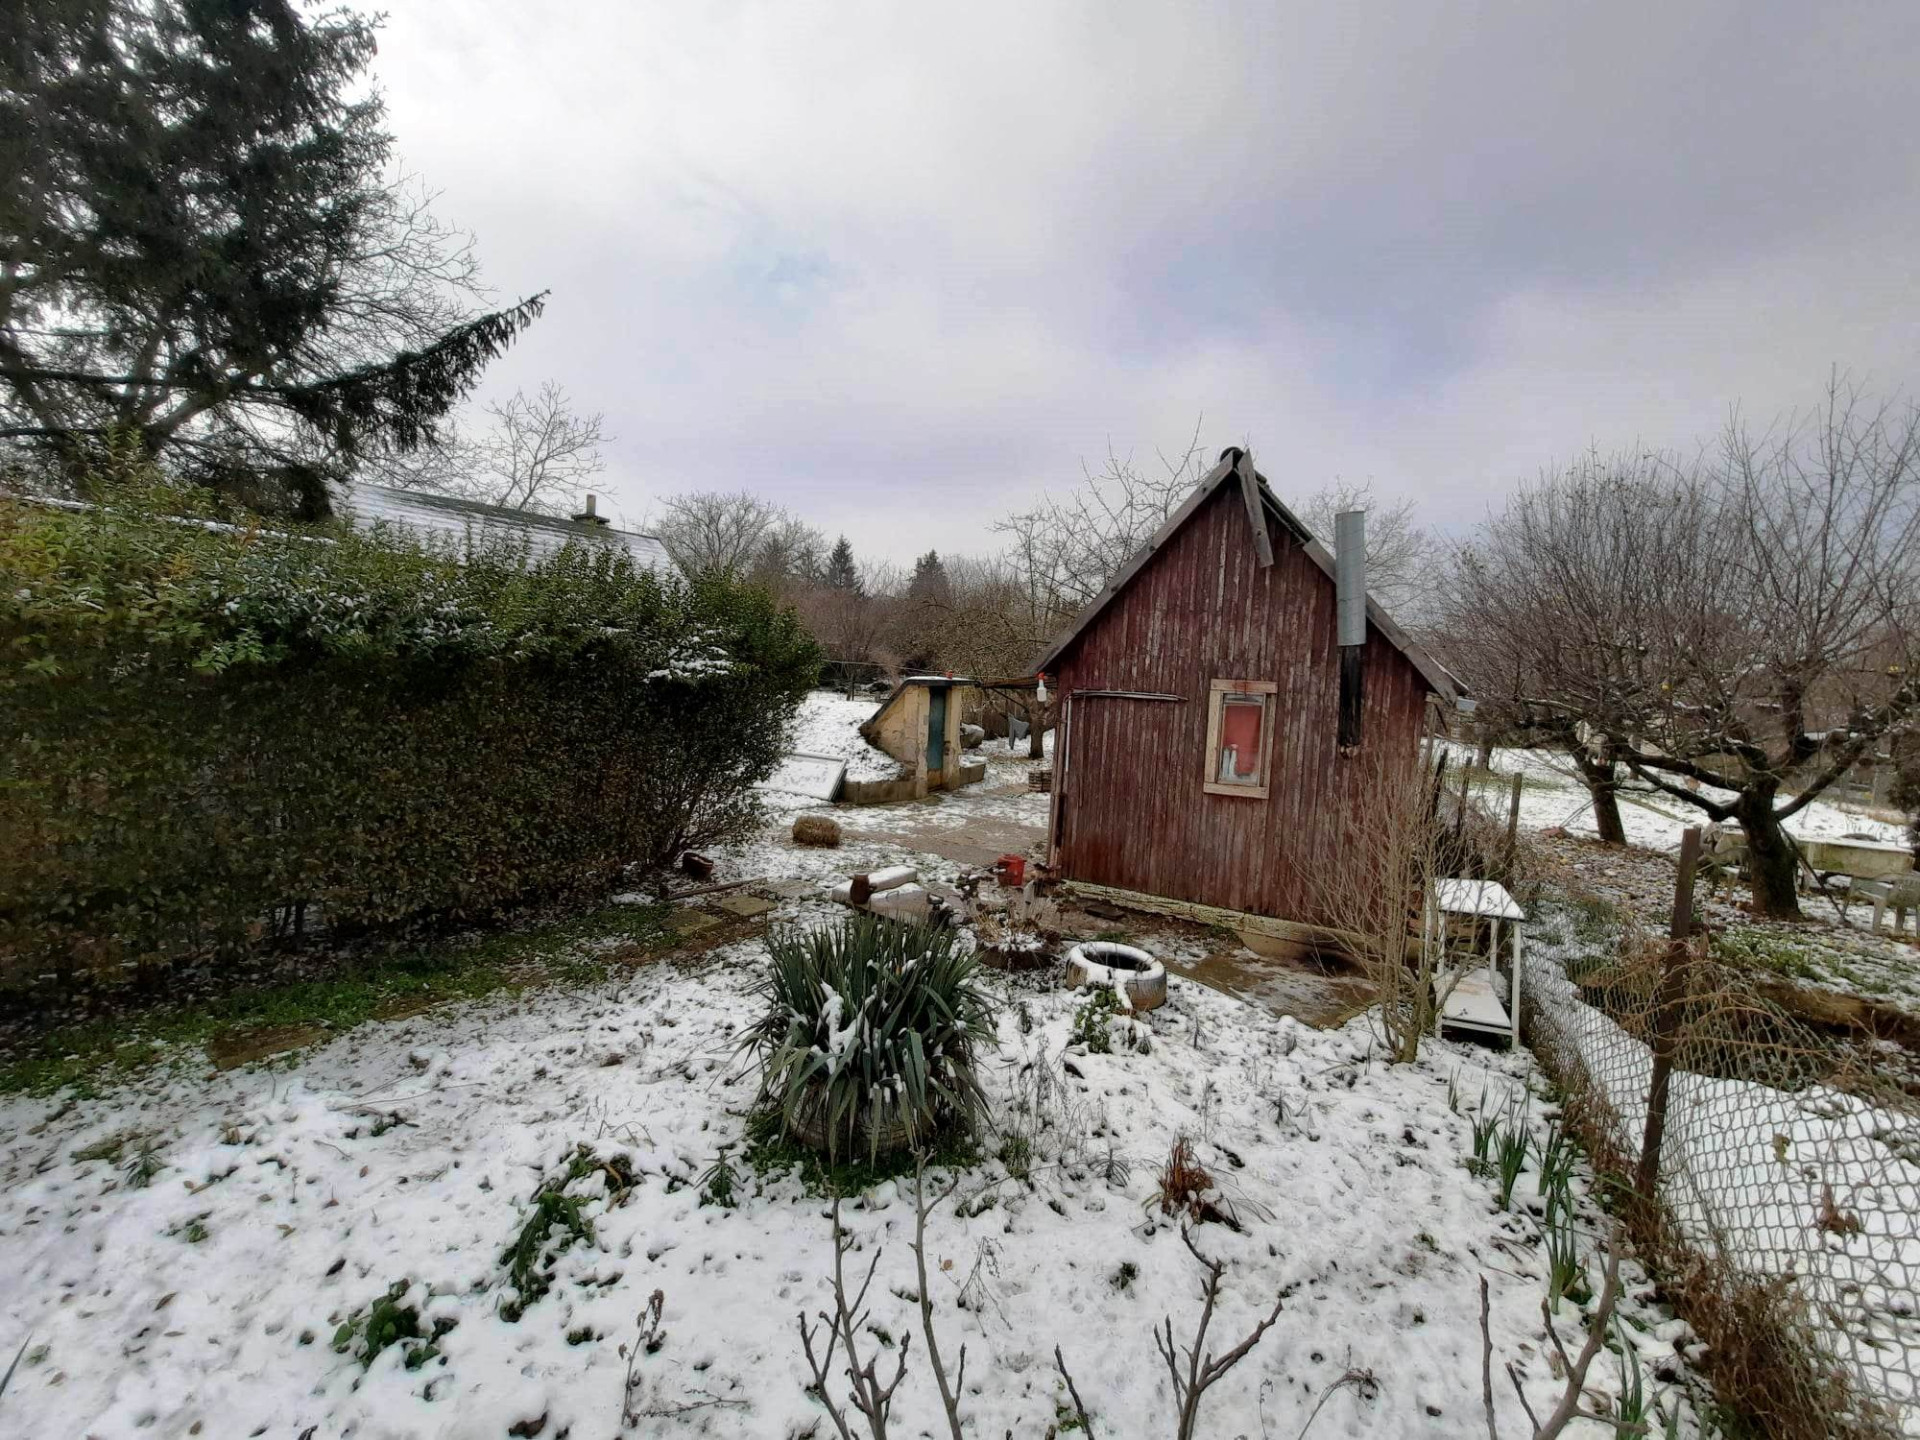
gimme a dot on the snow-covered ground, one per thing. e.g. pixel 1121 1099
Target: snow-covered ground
pixel 1833 950
pixel 828 723
pixel 288 1198
pixel 285 1199
pixel 1553 795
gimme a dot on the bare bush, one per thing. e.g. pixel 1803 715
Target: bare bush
pixel 1388 843
pixel 1574 1369
pixel 1193 1368
pixel 868 1396
pixel 1195 1373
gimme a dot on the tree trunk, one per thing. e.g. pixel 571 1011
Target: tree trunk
pixel 1605 789
pixel 1483 759
pixel 1771 857
pixel 1036 734
pixel 1603 785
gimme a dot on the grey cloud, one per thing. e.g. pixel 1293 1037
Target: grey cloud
pixel 858 256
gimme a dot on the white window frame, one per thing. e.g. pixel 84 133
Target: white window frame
pixel 1268 691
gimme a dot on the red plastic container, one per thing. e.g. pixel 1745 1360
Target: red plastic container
pixel 1012 870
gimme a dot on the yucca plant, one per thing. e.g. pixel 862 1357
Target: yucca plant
pixel 869 1035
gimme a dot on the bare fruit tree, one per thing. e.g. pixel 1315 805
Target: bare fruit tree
pixel 1739 631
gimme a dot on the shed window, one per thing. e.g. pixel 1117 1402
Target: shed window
pixel 1240 722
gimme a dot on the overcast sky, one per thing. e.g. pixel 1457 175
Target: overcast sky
pixel 901 266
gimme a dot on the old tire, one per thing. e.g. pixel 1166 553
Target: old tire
pixel 1099 964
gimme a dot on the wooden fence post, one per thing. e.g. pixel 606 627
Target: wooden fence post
pixel 1513 822
pixel 1666 1018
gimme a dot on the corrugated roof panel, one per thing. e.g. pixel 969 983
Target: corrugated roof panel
pixel 367 505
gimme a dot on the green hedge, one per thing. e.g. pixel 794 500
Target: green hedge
pixel 210 728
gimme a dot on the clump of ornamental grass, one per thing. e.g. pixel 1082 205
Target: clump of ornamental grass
pixel 1565 1276
pixel 1510 1159
pixel 1486 1129
pixel 869 1036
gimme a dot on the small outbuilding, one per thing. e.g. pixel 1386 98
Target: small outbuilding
pixel 1220 700
pixel 918 724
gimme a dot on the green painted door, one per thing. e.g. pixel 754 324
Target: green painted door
pixel 936 730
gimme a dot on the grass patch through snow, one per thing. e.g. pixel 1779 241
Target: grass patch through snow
pixel 95 1053
pixel 771 1151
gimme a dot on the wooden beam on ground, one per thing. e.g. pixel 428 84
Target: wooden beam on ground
pixel 1291 930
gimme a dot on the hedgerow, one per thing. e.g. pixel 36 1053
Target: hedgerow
pixel 215 730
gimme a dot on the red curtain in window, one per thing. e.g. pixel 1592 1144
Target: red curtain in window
pixel 1240 728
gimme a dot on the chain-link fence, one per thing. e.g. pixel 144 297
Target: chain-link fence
pixel 1785 1217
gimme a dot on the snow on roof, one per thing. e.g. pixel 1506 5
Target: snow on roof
pixel 364 505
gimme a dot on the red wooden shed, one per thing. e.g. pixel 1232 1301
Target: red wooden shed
pixel 1203 747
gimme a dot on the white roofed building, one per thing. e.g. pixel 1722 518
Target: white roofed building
pixel 365 505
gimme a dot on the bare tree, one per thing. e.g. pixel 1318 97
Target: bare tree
pixel 536 454
pixel 851 621
pixel 1068 546
pixel 790 560
pixel 1402 555
pixel 708 532
pixel 1491 622
pixel 993 619
pixel 1740 630
pixel 539 452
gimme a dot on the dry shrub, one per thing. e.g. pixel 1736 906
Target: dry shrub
pixel 822 830
pixel 1184 1182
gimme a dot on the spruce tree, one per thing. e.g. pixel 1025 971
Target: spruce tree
pixel 202 248
pixel 841 573
pixel 929 585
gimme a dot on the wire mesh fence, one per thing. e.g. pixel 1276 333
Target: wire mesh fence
pixel 1784 1213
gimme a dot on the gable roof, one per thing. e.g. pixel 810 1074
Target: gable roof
pixel 365 505
pixel 1236 464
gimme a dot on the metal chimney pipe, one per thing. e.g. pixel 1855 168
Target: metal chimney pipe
pixel 1350 574
pixel 1350 609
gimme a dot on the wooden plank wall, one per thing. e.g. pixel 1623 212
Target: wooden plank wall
pixel 1134 814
